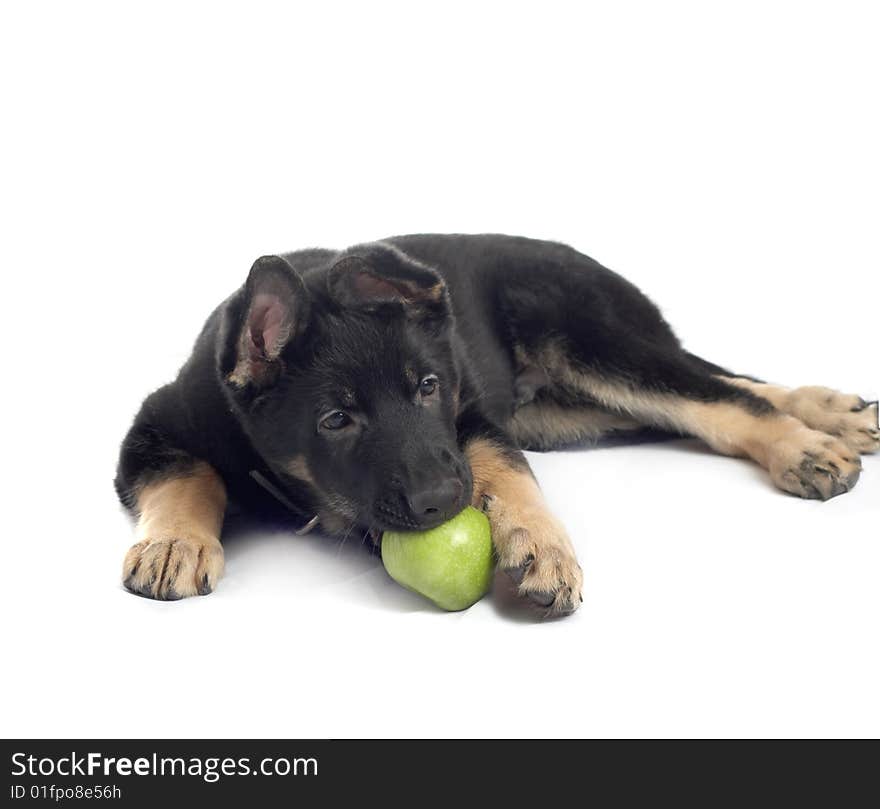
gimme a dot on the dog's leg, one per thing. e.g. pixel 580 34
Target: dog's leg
pixel 541 426
pixel 179 519
pixel 666 389
pixel 596 337
pixel 531 544
pixel 853 420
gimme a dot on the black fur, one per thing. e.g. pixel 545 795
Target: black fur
pixel 362 332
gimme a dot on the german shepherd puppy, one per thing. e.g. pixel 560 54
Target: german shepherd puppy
pixel 389 385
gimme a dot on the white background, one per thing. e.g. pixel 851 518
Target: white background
pixel 724 158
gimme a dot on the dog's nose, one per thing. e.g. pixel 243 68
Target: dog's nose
pixel 436 503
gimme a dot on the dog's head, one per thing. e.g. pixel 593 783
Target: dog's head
pixel 346 380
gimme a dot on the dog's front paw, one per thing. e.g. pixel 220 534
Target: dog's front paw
pixel 536 553
pixel 169 569
pixel 813 465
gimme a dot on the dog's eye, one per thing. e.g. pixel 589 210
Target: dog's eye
pixel 336 420
pixel 428 385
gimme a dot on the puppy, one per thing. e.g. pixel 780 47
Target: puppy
pixel 389 385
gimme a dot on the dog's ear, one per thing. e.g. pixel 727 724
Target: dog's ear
pixel 272 310
pixel 374 281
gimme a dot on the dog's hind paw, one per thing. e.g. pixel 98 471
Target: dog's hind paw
pixel 170 569
pixel 860 429
pixel 846 416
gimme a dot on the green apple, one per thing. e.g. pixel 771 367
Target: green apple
pixel 450 564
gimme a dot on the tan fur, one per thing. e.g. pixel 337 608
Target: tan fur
pixel 529 540
pixel 546 424
pixel 801 461
pixel 335 514
pixel 846 416
pixel 435 293
pixel 659 410
pixel 244 366
pixel 178 553
pixel 806 462
pixel 240 375
pixel 299 468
